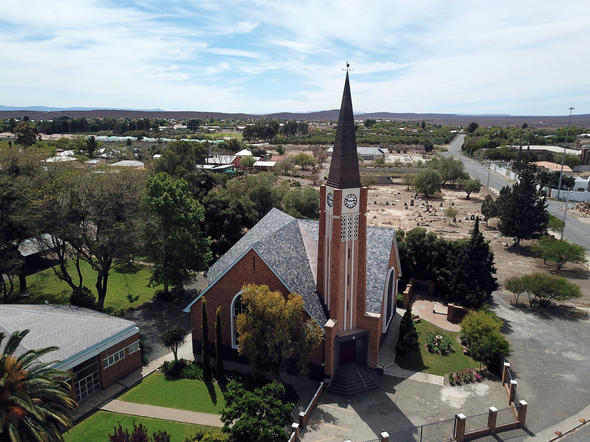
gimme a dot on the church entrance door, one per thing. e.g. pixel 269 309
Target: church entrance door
pixel 347 352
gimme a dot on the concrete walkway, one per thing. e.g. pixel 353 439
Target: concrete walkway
pixel 171 414
pixel 398 372
pixel 435 313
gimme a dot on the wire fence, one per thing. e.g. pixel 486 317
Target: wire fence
pixel 476 422
pixel 505 416
pixel 435 432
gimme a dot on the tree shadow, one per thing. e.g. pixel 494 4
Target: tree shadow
pixel 522 250
pixel 212 393
pixel 553 311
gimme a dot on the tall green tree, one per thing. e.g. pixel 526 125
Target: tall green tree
pixel 181 158
pixel 110 222
pixel 489 208
pixel 205 357
pixel 173 237
pixel 219 372
pixel 261 415
pixel 479 267
pixel 427 182
pixel 450 169
pixel 26 133
pixel 522 208
pixel 544 288
pixel 35 402
pixel 470 186
pixel 273 330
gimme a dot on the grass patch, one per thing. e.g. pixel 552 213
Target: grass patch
pixel 45 286
pixel 186 394
pixel 433 363
pixel 101 424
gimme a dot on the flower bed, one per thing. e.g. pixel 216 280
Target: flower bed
pixel 466 376
pixel 439 343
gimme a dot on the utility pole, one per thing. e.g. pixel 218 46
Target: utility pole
pixel 564 214
pixel 564 147
pixel 489 167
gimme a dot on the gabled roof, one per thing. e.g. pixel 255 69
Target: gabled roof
pixel 78 332
pixel 280 242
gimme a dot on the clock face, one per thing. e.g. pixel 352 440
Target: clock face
pixel 330 199
pixel 350 200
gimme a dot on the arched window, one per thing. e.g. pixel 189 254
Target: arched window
pixel 237 307
pixel 390 295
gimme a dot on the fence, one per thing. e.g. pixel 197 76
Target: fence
pixel 571 195
pixel 305 415
pixel 434 432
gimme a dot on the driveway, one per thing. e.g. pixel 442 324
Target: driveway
pixel 551 359
pixel 155 317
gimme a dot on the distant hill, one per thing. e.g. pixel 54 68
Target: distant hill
pixel 47 113
pixel 59 109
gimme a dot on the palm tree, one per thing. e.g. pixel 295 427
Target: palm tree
pixel 35 400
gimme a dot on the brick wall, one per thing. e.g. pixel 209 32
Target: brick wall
pixel 121 368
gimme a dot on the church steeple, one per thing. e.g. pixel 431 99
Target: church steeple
pixel 344 168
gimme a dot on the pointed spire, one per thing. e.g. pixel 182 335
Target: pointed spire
pixel 344 168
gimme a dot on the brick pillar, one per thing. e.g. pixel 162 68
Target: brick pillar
pixel 384 436
pixel 512 394
pixel 301 419
pixel 295 429
pixel 460 427
pixel 522 413
pixel 329 338
pixel 492 417
pixel 505 370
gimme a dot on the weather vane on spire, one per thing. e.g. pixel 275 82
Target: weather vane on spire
pixel 348 68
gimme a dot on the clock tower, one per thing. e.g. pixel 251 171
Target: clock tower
pixel 341 275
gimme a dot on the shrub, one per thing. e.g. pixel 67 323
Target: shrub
pixel 182 369
pixel 477 324
pixel 465 376
pixel 83 297
pixel 491 349
pixel 191 371
pixel 443 347
pixel 399 299
pixel 139 434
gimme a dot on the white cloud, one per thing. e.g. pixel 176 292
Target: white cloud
pixel 424 56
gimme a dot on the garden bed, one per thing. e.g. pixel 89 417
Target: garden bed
pixel 434 363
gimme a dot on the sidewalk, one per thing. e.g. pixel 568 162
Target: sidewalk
pixel 171 414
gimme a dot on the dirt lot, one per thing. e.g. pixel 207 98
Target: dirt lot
pixel 386 208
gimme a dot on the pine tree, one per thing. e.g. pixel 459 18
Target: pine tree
pixel 205 359
pixel 522 207
pixel 479 268
pixel 219 373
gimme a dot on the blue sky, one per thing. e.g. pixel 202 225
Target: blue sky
pixel 528 57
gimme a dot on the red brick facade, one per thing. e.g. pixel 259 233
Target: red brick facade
pixel 121 368
pixel 250 269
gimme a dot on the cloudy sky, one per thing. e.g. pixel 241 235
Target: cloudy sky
pixel 525 57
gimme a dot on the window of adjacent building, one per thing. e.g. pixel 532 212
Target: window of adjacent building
pixel 133 347
pixel 113 359
pixel 86 379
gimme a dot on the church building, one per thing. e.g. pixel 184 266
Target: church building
pixel 346 271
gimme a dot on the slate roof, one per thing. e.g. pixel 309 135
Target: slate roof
pixel 278 240
pixel 76 331
pixel 379 240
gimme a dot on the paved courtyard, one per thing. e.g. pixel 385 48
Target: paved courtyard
pixel 399 404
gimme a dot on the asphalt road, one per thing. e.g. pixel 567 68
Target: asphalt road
pixel 575 230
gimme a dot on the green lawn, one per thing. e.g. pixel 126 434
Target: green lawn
pixel 186 394
pixel 45 286
pixel 434 363
pixel 98 427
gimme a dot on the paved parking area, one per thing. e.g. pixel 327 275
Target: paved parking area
pixel 399 404
pixel 551 359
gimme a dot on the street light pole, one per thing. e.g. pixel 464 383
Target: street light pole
pixel 564 215
pixel 489 167
pixel 564 147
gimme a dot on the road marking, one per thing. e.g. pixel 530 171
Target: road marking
pixel 335 426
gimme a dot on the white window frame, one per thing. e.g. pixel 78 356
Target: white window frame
pixel 393 297
pixel 112 359
pixel 234 341
pixel 132 348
